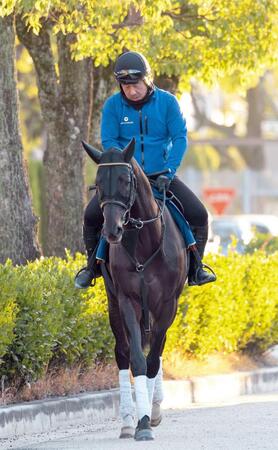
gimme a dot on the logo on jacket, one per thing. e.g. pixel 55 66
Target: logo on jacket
pixel 126 121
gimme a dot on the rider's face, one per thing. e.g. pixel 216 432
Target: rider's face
pixel 135 91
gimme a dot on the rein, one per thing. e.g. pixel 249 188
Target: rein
pixel 139 223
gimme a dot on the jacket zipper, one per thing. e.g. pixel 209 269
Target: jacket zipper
pixel 146 125
pixel 142 139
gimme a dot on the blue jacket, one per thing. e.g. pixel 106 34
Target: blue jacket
pixel 159 129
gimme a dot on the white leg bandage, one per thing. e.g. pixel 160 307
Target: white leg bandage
pixel 150 386
pixel 143 405
pixel 158 388
pixel 127 409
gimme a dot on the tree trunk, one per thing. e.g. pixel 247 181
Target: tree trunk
pixel 167 83
pixel 17 221
pixel 104 85
pixel 254 155
pixel 65 100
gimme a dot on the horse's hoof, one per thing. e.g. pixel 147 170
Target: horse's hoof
pixel 143 430
pixel 143 435
pixel 127 433
pixel 156 415
pixel 155 422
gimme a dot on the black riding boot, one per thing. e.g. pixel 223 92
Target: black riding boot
pixel 197 274
pixel 85 276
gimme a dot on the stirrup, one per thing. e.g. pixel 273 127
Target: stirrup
pixel 93 281
pixel 192 281
pixel 206 266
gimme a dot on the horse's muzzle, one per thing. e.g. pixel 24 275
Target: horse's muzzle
pixel 113 223
pixel 113 237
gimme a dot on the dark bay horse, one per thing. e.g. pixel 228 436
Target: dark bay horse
pixel 149 267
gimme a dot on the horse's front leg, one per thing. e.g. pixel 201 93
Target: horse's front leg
pixel 138 368
pixel 127 407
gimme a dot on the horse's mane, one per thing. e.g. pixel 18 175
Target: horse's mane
pixel 143 185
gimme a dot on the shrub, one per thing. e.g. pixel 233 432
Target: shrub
pixel 236 313
pixel 264 242
pixel 38 320
pixel 56 323
pixel 261 293
pixel 45 321
pixel 8 307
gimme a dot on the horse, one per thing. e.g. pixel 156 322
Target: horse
pixel 144 277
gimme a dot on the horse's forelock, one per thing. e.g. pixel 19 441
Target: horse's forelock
pixel 112 155
pixel 115 155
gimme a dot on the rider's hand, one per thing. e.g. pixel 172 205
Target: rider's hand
pixel 162 183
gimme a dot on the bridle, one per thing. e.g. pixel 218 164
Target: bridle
pixel 136 222
pixel 132 193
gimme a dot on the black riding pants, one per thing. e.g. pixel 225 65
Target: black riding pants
pixel 194 210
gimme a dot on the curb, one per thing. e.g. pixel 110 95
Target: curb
pixel 45 415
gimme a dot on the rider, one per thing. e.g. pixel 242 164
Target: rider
pixel 154 118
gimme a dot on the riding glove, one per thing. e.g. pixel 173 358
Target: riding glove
pixel 162 183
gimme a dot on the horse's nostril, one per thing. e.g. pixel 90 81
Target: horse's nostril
pixel 113 235
pixel 112 238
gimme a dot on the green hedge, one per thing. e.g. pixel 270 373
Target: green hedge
pixel 237 313
pixel 265 242
pixel 8 307
pixel 55 323
pixel 45 321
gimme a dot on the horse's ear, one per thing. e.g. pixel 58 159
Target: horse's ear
pixel 128 151
pixel 92 152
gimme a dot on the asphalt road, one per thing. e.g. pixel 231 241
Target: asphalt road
pixel 251 423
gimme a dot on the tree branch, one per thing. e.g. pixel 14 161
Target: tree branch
pixel 134 18
pixel 203 120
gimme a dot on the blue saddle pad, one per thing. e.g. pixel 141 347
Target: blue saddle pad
pixel 178 217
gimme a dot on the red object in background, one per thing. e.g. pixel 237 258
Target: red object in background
pixel 219 198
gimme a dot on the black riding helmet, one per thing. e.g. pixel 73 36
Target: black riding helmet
pixel 131 67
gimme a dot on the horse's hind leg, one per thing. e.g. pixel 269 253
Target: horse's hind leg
pixel 156 415
pixel 127 409
pixel 155 375
pixel 139 369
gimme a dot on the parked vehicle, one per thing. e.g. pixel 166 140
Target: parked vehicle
pixel 243 227
pixel 263 223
